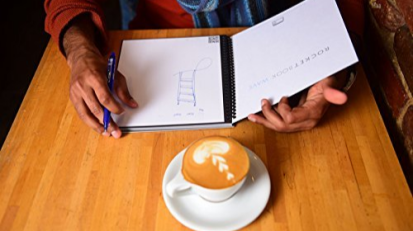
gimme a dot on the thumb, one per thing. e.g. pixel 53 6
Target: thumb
pixel 334 96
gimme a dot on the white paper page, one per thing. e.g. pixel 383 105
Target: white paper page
pixel 174 81
pixel 288 53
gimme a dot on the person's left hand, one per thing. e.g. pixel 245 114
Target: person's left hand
pixel 306 114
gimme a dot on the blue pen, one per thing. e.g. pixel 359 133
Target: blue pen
pixel 111 79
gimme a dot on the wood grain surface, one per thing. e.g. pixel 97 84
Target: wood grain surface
pixel 58 174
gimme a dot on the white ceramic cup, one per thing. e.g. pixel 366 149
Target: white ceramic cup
pixel 179 184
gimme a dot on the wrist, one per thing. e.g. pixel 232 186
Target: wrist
pixel 82 50
pixel 79 38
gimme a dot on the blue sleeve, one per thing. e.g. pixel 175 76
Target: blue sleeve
pixel 197 6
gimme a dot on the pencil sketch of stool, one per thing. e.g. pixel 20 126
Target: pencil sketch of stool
pixel 186 82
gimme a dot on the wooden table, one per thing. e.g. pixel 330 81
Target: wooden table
pixel 58 174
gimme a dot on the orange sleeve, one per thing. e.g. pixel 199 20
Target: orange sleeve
pixel 353 15
pixel 59 13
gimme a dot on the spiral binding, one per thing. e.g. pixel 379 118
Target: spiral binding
pixel 228 80
pixel 232 74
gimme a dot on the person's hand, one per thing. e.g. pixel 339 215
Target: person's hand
pixel 306 114
pixel 88 84
pixel 89 90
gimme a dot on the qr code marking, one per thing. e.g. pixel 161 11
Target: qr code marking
pixel 213 39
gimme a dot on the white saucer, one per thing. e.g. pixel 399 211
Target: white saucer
pixel 238 211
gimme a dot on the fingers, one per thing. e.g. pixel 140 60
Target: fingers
pixel 292 116
pixel 329 91
pixel 105 97
pixel 285 119
pixel 92 121
pixel 89 91
pixel 261 120
pixel 93 105
pixel 113 130
pixel 121 90
pixel 311 107
pixel 272 115
pixel 88 106
pixel 107 100
pixel 335 96
pixel 305 125
pixel 284 109
pixel 303 98
pixel 86 116
pixel 275 121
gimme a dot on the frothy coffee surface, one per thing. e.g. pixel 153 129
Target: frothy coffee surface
pixel 215 162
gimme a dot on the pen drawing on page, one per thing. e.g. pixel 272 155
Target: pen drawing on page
pixel 186 82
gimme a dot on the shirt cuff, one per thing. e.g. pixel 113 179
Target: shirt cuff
pixel 61 20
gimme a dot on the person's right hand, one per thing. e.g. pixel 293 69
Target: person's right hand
pixel 88 84
pixel 89 90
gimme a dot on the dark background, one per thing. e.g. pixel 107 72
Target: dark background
pixel 23 43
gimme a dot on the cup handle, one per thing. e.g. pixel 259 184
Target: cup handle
pixel 177 184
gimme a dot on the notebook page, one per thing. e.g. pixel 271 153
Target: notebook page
pixel 175 81
pixel 288 53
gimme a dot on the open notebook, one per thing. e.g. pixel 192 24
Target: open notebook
pixel 215 81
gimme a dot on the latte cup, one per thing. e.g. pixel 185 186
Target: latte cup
pixel 214 168
pixel 179 184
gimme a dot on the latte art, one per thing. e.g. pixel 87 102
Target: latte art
pixel 210 147
pixel 214 150
pixel 215 162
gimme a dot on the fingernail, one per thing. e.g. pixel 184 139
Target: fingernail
pixel 115 134
pixel 252 119
pixel 263 102
pixel 133 102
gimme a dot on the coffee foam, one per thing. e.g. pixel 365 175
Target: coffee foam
pixel 215 162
